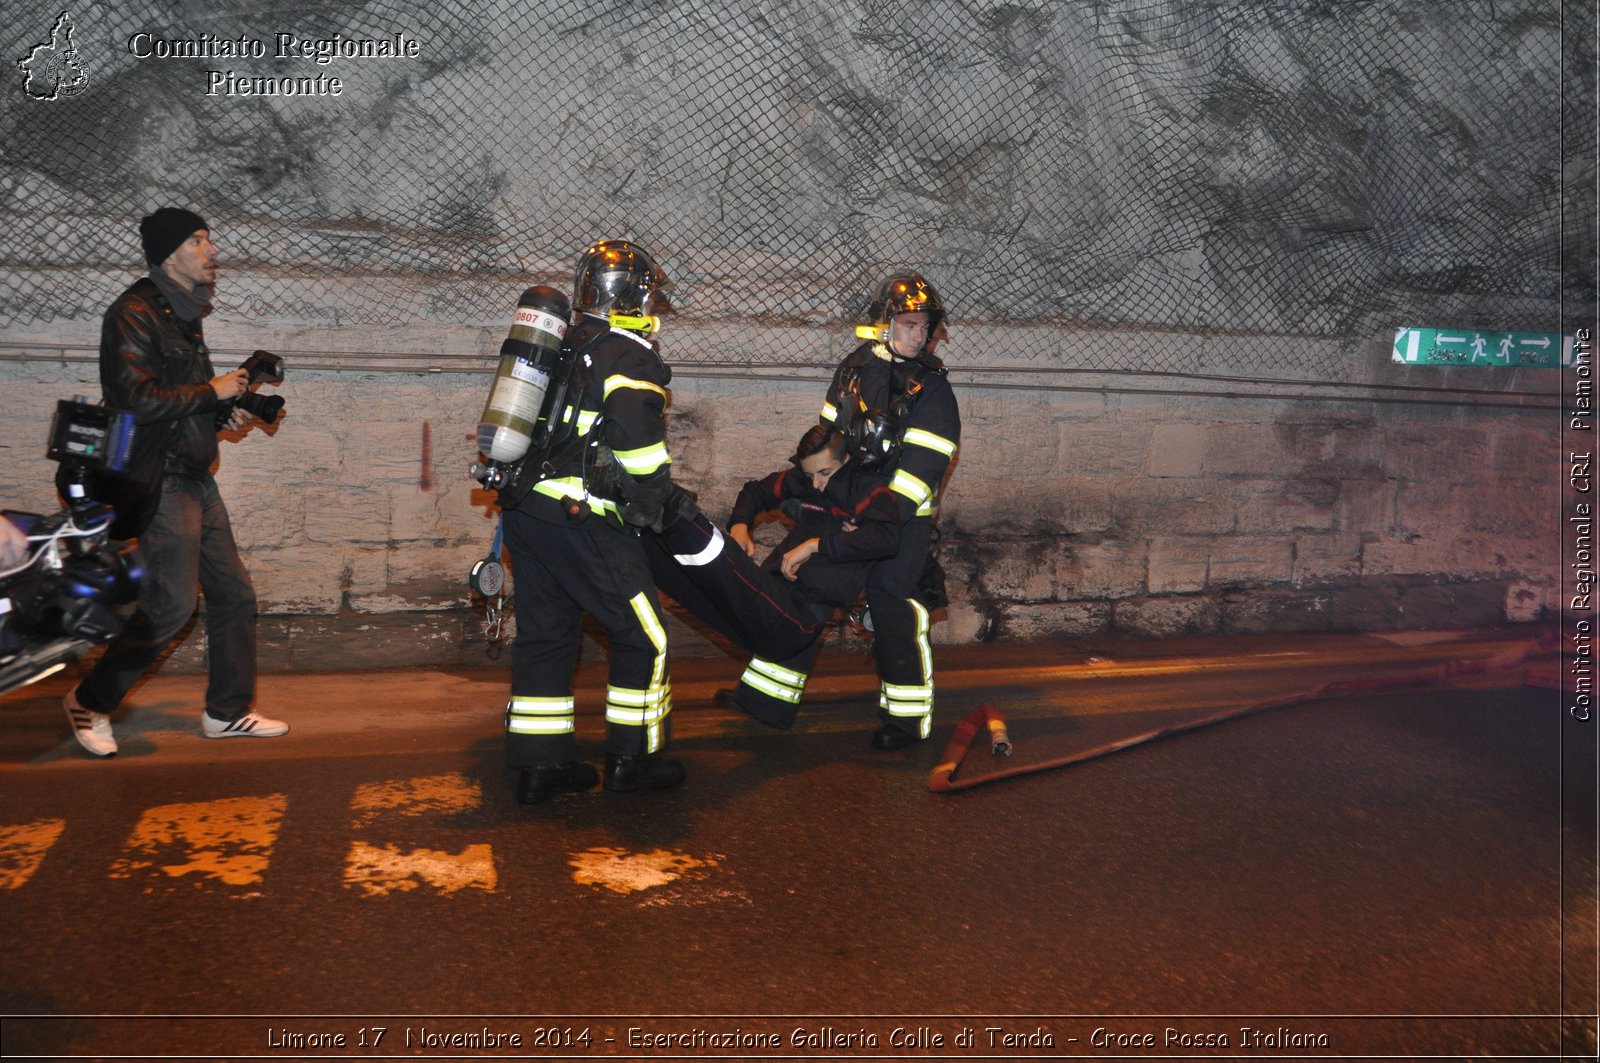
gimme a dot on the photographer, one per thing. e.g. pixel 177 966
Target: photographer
pixel 154 362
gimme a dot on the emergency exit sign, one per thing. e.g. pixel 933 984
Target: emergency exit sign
pixel 1439 346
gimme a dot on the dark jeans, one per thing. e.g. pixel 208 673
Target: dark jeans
pixel 189 544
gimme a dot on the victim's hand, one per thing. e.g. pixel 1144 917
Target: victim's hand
pixel 740 533
pixel 799 556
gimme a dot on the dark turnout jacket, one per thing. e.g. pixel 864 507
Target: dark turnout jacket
pixel 930 433
pixel 618 400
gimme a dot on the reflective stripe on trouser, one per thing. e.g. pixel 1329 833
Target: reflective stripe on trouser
pixel 635 713
pixel 906 700
pixel 771 691
pixel 908 708
pixel 541 716
pixel 900 632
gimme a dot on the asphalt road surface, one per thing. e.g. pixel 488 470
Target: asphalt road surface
pixel 1405 872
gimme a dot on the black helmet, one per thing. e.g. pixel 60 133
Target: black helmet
pixel 901 293
pixel 619 279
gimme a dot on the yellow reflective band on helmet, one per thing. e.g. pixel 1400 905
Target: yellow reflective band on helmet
pixel 919 437
pixel 880 333
pixel 634 322
pixel 541 716
pixel 830 413
pixel 645 460
pixel 617 380
pixel 911 487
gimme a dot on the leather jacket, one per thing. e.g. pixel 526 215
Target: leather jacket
pixel 156 366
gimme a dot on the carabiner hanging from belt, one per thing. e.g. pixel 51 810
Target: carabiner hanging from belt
pixel 488 579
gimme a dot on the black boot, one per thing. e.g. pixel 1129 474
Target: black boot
pixel 635 774
pixel 539 784
pixel 891 737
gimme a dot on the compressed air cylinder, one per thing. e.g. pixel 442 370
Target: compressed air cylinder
pixel 528 357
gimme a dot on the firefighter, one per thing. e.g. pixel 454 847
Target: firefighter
pixel 573 510
pixel 893 403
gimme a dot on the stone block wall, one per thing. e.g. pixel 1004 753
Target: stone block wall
pixel 1069 512
pixel 1191 515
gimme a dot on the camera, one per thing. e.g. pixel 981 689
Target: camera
pixel 264 367
pixel 60 598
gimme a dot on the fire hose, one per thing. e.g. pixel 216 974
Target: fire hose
pixel 986 718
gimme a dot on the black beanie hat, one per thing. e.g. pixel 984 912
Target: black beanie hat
pixel 165 231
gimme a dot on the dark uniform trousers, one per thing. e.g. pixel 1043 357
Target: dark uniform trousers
pixel 900 641
pixel 753 606
pixel 563 570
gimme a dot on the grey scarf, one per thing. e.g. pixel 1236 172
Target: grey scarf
pixel 188 304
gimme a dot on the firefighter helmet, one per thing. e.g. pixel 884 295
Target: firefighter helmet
pixel 618 279
pixel 902 293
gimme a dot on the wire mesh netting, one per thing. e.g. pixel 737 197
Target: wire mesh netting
pixel 1255 170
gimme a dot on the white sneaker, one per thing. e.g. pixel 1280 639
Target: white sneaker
pixel 249 725
pixel 91 729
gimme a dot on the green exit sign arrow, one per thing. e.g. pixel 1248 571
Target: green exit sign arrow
pixel 1436 346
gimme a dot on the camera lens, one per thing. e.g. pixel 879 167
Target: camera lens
pixel 266 407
